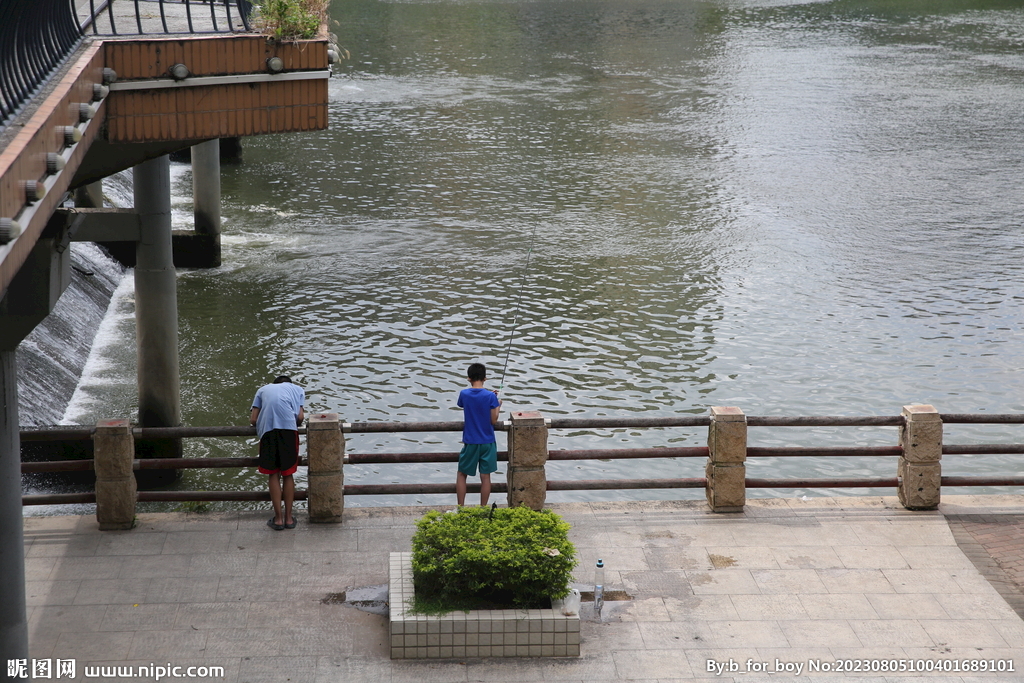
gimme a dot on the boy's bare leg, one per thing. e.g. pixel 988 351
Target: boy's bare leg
pixel 289 498
pixel 485 488
pixel 275 497
pixel 460 488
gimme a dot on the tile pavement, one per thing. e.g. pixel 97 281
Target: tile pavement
pixel 995 545
pixel 785 583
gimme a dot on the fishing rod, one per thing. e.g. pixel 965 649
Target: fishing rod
pixel 519 303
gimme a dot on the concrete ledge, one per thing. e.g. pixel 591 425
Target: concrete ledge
pixel 477 633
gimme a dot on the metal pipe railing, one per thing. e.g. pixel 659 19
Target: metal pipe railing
pixel 629 422
pixel 794 451
pixel 983 481
pixel 209 496
pixel 982 418
pixel 588 454
pixel 982 449
pixel 58 498
pixel 86 433
pixel 876 482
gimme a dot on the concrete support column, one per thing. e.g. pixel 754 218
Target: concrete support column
pixel 13 615
pixel 89 196
pixel 527 455
pixel 201 249
pixel 156 309
pixel 920 468
pixel 116 491
pixel 325 447
pixel 206 187
pixel 726 469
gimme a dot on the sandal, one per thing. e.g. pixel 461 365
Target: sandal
pixel 275 527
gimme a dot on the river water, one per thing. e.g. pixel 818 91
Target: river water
pixel 810 208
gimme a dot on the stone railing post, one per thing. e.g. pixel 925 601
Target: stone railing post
pixel 726 470
pixel 114 460
pixel 920 468
pixel 527 455
pixel 325 448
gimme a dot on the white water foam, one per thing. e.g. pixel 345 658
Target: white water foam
pixel 52 356
pixel 99 362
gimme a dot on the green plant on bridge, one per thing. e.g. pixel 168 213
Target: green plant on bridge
pixel 478 558
pixel 291 19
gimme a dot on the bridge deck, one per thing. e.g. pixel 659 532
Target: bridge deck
pixel 229 92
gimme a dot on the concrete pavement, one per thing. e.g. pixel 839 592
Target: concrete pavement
pixel 797 584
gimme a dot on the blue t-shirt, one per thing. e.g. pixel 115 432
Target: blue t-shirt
pixel 476 404
pixel 279 406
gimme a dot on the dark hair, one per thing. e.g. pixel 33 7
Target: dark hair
pixel 281 379
pixel 477 372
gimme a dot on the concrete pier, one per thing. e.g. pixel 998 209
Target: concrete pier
pixel 200 248
pixel 90 196
pixel 206 187
pixel 785 583
pixel 156 308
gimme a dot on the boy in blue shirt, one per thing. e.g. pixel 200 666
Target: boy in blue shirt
pixel 480 409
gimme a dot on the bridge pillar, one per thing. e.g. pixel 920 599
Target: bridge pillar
pixel 156 315
pixel 13 613
pixel 89 196
pixel 202 248
pixel 206 187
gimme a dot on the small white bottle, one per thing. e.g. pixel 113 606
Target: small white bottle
pixel 599 587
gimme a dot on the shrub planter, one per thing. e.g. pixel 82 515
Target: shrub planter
pixel 477 633
pixel 447 596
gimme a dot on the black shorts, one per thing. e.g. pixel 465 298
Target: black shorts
pixel 279 452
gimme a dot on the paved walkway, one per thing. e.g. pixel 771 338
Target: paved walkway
pixel 789 583
pixel 995 544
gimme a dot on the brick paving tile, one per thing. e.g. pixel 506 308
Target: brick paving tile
pixel 995 544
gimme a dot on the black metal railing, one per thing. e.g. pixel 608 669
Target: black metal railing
pixel 36 37
pixel 137 17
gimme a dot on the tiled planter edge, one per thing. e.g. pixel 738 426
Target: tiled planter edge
pixel 479 633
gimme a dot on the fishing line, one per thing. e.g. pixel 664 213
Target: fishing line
pixel 519 303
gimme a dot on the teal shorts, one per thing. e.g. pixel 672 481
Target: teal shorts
pixel 484 454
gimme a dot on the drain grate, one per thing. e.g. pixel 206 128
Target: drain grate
pixel 609 596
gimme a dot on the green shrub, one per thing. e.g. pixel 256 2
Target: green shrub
pixel 291 19
pixel 504 557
